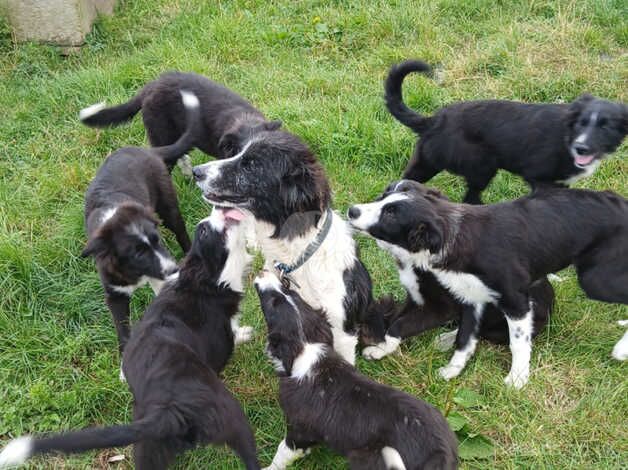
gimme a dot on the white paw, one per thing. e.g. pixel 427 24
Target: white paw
pixel 121 375
pixel 555 278
pixel 243 334
pixel 185 164
pixel 518 380
pixel 445 341
pixel 374 353
pixel 449 372
pixel 622 322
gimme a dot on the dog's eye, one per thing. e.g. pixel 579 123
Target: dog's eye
pixel 246 162
pixel 140 249
pixel 602 122
pixel 390 210
pixel 153 238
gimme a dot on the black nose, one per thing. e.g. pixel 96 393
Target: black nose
pixel 198 174
pixel 354 212
pixel 582 149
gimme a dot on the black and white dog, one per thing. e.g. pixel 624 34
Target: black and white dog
pixel 278 181
pixel 543 143
pixel 120 206
pixel 429 304
pixel 492 254
pixel 227 119
pixel 171 363
pixel 326 401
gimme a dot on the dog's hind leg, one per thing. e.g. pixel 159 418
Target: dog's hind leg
pixel 153 455
pixel 288 451
pixel 604 275
pixel 466 341
pixel 418 169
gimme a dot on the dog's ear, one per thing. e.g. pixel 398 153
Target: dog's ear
pixel 272 125
pixel 436 194
pixel 576 107
pixel 426 235
pixel 95 247
pixel 228 145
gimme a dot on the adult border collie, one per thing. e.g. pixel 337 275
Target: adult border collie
pixel 429 305
pixel 543 143
pixel 326 401
pixel 492 254
pixel 227 119
pixel 120 204
pixel 171 363
pixel 277 180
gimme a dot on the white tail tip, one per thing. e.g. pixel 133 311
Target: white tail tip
pixel 392 459
pixel 91 110
pixel 16 452
pixel 189 99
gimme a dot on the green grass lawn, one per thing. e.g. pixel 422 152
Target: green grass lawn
pixel 319 67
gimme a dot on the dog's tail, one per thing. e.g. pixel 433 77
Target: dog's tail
pixel 97 115
pixel 171 153
pixel 21 449
pixel 394 99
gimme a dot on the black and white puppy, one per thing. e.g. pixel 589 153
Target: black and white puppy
pixel 543 143
pixel 120 206
pixel 493 254
pixel 278 182
pixel 227 119
pixel 171 363
pixel 326 401
pixel 429 304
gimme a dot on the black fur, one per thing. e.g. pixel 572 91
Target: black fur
pixel 227 119
pixel 135 181
pixel 337 406
pixel 536 141
pixel 509 246
pixel 171 364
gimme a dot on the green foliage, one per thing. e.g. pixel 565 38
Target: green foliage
pixel 318 66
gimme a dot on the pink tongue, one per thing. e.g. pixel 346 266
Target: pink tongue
pixel 234 214
pixel 584 159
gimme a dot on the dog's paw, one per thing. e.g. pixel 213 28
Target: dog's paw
pixel 185 164
pixel 243 334
pixel 449 372
pixel 620 351
pixel 555 278
pixel 374 353
pixel 445 341
pixel 517 381
pixel 622 322
pixel 121 375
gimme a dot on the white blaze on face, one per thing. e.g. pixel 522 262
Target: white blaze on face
pixel 213 170
pixel 370 213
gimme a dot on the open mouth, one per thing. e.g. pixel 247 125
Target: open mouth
pixel 231 214
pixel 224 200
pixel 582 160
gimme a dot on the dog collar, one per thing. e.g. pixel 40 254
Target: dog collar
pixel 285 269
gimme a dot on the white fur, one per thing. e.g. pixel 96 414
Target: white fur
pixel 521 349
pixel 465 287
pixel 238 261
pixel 91 110
pixel 241 334
pixel 16 452
pixel 121 375
pixel 321 278
pixel 370 213
pixel 285 456
pixel 213 170
pixel 582 138
pixel 309 357
pixel 620 351
pixel 459 360
pixel 586 172
pixel 445 341
pixel 189 99
pixel 409 280
pixel 108 214
pixel 185 165
pixel 392 459
pixel 386 347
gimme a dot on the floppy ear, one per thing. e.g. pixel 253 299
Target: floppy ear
pixel 272 125
pixel 228 145
pixel 95 247
pixel 576 107
pixel 296 191
pixel 425 236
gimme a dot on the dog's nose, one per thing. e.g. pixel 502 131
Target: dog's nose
pixel 354 212
pixel 198 174
pixel 582 149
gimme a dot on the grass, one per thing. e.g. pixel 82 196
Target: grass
pixel 319 67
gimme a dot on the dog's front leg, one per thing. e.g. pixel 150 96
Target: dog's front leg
pixel 520 333
pixel 119 307
pixel 288 452
pixel 466 341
